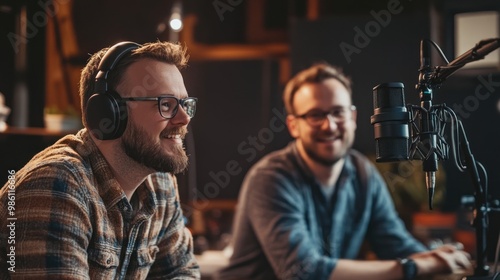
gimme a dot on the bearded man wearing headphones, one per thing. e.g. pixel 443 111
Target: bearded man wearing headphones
pixel 104 204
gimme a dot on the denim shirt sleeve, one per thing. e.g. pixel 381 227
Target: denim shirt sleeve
pixel 275 209
pixel 387 234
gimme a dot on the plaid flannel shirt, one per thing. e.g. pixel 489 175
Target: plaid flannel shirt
pixel 72 220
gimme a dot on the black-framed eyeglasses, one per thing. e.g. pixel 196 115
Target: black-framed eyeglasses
pixel 169 105
pixel 317 117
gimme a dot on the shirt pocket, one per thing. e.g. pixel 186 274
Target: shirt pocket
pixel 146 256
pixel 143 260
pixel 103 261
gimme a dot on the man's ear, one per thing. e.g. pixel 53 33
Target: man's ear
pixel 353 117
pixel 291 123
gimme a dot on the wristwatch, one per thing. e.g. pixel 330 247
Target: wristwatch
pixel 409 268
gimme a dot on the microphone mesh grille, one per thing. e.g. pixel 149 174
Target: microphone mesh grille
pixel 391 149
pixel 393 98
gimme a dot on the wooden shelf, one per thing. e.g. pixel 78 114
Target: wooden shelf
pixel 199 51
pixel 34 131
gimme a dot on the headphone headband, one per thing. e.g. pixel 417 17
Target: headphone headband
pixel 108 62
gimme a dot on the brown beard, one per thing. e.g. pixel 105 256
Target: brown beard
pixel 329 162
pixel 137 145
pixel 323 161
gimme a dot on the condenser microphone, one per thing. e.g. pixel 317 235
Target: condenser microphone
pixel 390 122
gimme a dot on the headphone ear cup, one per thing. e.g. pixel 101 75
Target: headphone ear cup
pixel 106 115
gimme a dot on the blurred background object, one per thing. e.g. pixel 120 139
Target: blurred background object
pixel 4 113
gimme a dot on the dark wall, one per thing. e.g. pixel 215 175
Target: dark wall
pixel 240 119
pixel 390 55
pixel 7 21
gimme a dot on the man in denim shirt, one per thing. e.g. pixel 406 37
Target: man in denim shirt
pixel 103 204
pixel 304 211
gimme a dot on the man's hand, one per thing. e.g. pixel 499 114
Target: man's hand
pixel 445 259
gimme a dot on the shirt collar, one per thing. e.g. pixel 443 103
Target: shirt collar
pixel 106 184
pixel 348 170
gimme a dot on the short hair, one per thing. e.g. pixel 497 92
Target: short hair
pixel 314 74
pixel 161 51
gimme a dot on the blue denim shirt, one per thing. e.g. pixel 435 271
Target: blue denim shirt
pixel 286 228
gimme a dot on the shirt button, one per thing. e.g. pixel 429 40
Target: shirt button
pixel 125 208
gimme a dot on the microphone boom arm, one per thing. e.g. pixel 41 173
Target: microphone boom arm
pixel 478 52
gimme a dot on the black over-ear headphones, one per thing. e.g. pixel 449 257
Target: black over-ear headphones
pixel 106 113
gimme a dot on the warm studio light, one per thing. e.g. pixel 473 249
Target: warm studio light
pixel 175 21
pixel 175 24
